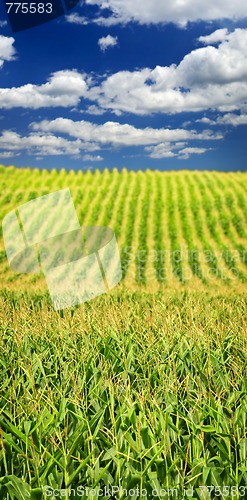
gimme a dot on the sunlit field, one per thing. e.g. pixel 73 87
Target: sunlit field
pixel 141 392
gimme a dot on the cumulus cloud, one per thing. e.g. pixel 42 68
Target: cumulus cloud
pixel 106 42
pixel 38 144
pixel 164 150
pixel 7 51
pixel 8 154
pixel 185 153
pixel 215 37
pixel 157 143
pixel 177 149
pixel 63 136
pixel 75 18
pixel 231 119
pixel 92 158
pixel 64 88
pixel 207 78
pixel 116 134
pixel 94 110
pixel 160 11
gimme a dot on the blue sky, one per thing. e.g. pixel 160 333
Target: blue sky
pixel 150 84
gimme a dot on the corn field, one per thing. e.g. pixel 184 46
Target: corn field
pixel 174 230
pixel 141 392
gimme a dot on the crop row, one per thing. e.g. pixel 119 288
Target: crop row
pixel 193 251
pixel 229 258
pixel 130 225
pixel 143 229
pixel 226 217
pixel 158 231
pixel 195 206
pixel 175 248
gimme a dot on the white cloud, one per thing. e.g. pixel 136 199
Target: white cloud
pixel 64 88
pixel 7 51
pixel 92 158
pixel 116 134
pixel 185 153
pixel 80 139
pixel 3 24
pixel 94 110
pixel 106 42
pixel 228 119
pixel 158 143
pixel 38 144
pixel 75 18
pixel 204 120
pixel 177 149
pixel 215 37
pixel 8 154
pixel 165 11
pixel 207 78
pixel 165 150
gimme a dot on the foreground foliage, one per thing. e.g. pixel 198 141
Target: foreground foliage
pixel 131 390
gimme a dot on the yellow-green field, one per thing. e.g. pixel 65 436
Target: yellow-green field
pixel 142 392
pixel 176 231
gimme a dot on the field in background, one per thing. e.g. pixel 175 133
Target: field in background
pixel 143 388
pixel 174 229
